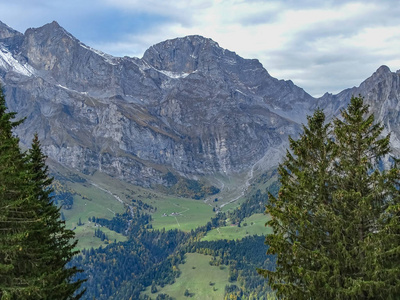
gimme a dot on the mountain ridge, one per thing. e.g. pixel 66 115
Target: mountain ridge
pixel 187 106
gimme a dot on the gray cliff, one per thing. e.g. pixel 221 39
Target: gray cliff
pixel 188 106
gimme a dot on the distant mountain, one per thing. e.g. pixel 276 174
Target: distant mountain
pixel 188 106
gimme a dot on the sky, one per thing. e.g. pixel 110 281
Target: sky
pixel 322 46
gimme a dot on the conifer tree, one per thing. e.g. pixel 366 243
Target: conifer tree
pixel 360 197
pixel 55 243
pixel 295 219
pixel 16 211
pixel 35 246
pixel 336 218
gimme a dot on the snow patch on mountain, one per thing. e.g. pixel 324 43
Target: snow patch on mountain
pixel 8 62
pixel 174 75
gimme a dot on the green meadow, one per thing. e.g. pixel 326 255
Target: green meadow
pixel 103 196
pixel 204 282
pixel 180 213
pixel 88 202
pixel 253 225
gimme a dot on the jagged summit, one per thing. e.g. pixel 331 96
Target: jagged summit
pixel 383 69
pixel 50 31
pixel 382 72
pixel 184 55
pixel 47 46
pixel 382 77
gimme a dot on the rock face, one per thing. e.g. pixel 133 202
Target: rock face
pixel 188 106
pixel 382 92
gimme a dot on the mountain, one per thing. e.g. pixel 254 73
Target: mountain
pixel 187 106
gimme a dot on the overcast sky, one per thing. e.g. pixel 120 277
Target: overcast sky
pixel 322 46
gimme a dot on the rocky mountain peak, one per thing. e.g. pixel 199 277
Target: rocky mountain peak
pixel 382 92
pixel 195 53
pixel 48 31
pixel 382 81
pixel 46 46
pixel 380 73
pixel 183 55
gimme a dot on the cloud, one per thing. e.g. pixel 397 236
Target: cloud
pixel 323 46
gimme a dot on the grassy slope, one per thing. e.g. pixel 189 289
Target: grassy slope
pixel 91 199
pixel 196 277
pixel 91 202
pixel 255 226
pixel 196 272
pixel 191 213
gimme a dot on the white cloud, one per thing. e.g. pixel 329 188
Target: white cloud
pixel 320 45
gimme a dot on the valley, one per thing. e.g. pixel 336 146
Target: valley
pixel 103 196
pixel 163 164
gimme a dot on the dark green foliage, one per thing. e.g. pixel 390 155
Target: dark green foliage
pixel 335 219
pixel 242 257
pixel 153 289
pixel 164 297
pixel 100 234
pixel 61 195
pixel 143 206
pixel 34 244
pixel 54 242
pixel 67 200
pixel 120 223
pixel 190 188
pixel 17 212
pixel 170 178
pixel 125 269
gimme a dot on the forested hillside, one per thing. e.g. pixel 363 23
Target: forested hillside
pixel 153 257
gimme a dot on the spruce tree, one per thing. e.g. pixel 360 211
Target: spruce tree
pixel 17 214
pixel 336 218
pixel 35 246
pixel 360 197
pixel 55 243
pixel 296 219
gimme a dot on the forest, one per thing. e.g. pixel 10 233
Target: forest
pixel 153 257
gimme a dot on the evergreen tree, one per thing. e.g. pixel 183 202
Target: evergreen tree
pixel 361 196
pixel 17 212
pixel 335 219
pixel 55 243
pixel 34 244
pixel 295 219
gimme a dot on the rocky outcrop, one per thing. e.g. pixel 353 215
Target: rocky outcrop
pixel 381 92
